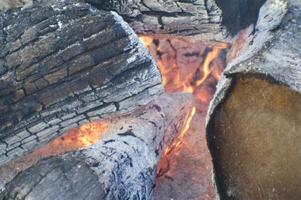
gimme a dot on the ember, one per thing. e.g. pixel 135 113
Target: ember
pixel 191 67
pixel 85 113
pixel 185 65
pixel 74 139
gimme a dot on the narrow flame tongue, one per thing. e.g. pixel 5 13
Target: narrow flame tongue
pixel 179 141
pixel 190 67
pixel 186 71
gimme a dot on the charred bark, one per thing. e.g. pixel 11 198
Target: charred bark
pixel 253 123
pixel 62 65
pixel 120 166
pixel 208 19
pixel 177 17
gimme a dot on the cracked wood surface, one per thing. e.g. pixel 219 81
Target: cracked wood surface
pixel 178 17
pixel 62 65
pixel 205 19
pixel 268 66
pixel 120 166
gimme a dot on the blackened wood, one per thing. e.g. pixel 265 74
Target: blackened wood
pixel 272 57
pixel 64 64
pixel 120 166
pixel 184 17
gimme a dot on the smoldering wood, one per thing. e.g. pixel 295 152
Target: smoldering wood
pixel 62 65
pixel 120 166
pixel 253 120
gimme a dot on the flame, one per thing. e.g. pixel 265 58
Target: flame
pixel 179 140
pixel 185 77
pixel 190 67
pixel 190 75
pixel 77 138
pixel 210 57
pixel 146 40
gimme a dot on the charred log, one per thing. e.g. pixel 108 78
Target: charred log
pixel 184 17
pixel 205 18
pixel 253 125
pixel 120 166
pixel 197 17
pixel 62 65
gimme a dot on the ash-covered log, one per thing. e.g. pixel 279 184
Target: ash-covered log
pixel 120 166
pixel 63 64
pixel 253 125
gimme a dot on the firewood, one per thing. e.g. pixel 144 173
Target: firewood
pixel 196 17
pixel 122 165
pixel 168 17
pixel 62 65
pixel 204 19
pixel 253 123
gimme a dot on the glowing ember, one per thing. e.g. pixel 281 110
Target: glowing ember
pixel 191 67
pixel 186 69
pixel 179 140
pixel 77 138
pixel 183 68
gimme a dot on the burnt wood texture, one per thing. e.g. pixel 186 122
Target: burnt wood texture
pixel 120 166
pixel 177 17
pixel 253 123
pixel 208 19
pixel 63 64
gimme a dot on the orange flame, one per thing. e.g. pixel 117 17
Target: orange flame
pixel 179 76
pixel 77 138
pixel 210 57
pixel 192 67
pixel 179 141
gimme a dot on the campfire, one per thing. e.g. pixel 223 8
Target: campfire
pixel 149 99
pixel 186 66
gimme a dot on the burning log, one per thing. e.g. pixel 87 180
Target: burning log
pixel 120 166
pixel 253 124
pixel 62 65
